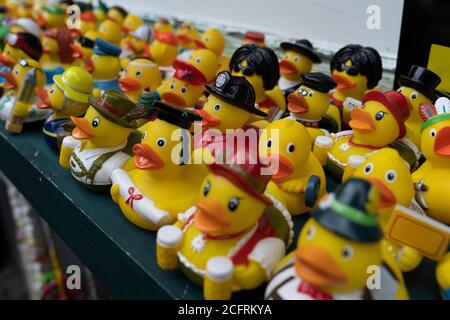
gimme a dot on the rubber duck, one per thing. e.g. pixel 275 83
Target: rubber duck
pixel 232 237
pixel 298 58
pixel 67 97
pixel 259 65
pixel 418 87
pixel 186 86
pixel 52 16
pixel 83 49
pixel 109 30
pixel 212 39
pixel 309 103
pixel 105 65
pixel 25 25
pixel 145 194
pixel 88 22
pixel 186 35
pixel 13 81
pixel 20 45
pixel 206 62
pixel 377 124
pixel 100 11
pixel 254 37
pixel 162 25
pixel 335 250
pixel 136 44
pixel 355 69
pixel 98 144
pixel 138 75
pixel 117 14
pixel 299 179
pixel 163 49
pixel 131 23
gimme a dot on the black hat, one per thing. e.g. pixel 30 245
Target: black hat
pixel 236 91
pixel 346 211
pixel 180 117
pixel 423 80
pixel 318 81
pixel 304 47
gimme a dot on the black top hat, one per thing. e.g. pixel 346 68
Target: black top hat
pixel 236 91
pixel 318 81
pixel 304 47
pixel 179 117
pixel 346 211
pixel 423 80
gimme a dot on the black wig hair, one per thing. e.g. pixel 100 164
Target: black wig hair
pixel 366 60
pixel 33 42
pixel 262 60
pixel 122 11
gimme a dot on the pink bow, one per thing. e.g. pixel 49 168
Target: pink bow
pixel 133 196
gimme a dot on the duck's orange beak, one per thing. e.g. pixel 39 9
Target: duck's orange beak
pixel 77 52
pixel 83 129
pixel 287 67
pixel 125 30
pixel 128 84
pixel 387 197
pixel 317 267
pixel 183 39
pixel 285 167
pixel 146 158
pixel 173 99
pixel 208 120
pixel 131 46
pixel 89 64
pixel 44 102
pixel 6 61
pixel 210 216
pixel 10 81
pixel 41 20
pixel 442 142
pixel 297 103
pixel 45 49
pixel 361 120
pixel 343 82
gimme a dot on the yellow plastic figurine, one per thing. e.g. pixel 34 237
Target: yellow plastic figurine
pixel 206 62
pixel 52 17
pixel 110 31
pixel 164 48
pixel 186 35
pixel 21 45
pixel 162 25
pixel 105 64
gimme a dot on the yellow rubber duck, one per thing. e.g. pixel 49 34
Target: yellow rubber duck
pixel 418 87
pixel 162 25
pixel 105 64
pixel 227 242
pixel 135 45
pixel 131 23
pixel 355 69
pixel 164 48
pixel 298 58
pixel 206 62
pixel 339 253
pixel 109 30
pixel 186 35
pixel 299 179
pixel 309 103
pixel 88 22
pixel 52 17
pixel 83 49
pixel 21 45
pixel 212 39
pixel 376 125
pixel 139 74
pixel 146 194
pixel 116 14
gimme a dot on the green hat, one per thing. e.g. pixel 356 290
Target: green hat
pixel 346 212
pixel 116 107
pixel 54 10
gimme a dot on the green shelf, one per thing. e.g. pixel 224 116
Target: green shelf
pixel 121 256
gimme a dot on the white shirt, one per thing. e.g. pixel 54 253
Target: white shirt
pixel 34 114
pixel 285 84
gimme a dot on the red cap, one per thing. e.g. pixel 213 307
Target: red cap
pixel 395 102
pixel 88 16
pixel 188 73
pixel 166 37
pixel 254 36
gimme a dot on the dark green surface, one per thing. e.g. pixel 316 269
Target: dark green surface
pixel 120 255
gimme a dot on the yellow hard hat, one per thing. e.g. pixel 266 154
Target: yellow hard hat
pixel 76 83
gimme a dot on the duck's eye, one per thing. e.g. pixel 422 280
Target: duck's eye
pixel 94 57
pixel 347 252
pixel 95 122
pixel 217 107
pixel 296 59
pixel 414 95
pixel 206 188
pixel 290 148
pixel 198 60
pixel 183 90
pixel 144 135
pixel 138 74
pixel 269 143
pixel 310 233
pixel 233 204
pixel 207 39
pixel 311 93
pixel 17 72
pixel 52 91
pixel 391 176
pixel 161 142
pixel 433 132
pixel 368 168
pixel 379 115
pixel 8 52
pixel 172 86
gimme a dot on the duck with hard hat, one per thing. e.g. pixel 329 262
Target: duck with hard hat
pixel 418 87
pixel 335 250
pixel 146 194
pixel 309 103
pixel 101 140
pixel 298 58
pixel 377 124
pixel 67 97
pixel 233 222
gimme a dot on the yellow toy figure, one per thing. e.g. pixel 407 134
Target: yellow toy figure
pixel 98 144
pixel 21 45
pixel 335 251
pixel 186 35
pixel 13 81
pixel 163 49
pixel 105 65
pixel 206 62
pixel 88 22
pixel 136 44
pixel 355 69
pixel 309 103
pixel 298 59
pixel 83 49
pixel 162 25
pixel 377 124
pixel 299 179
pixel 131 23
pixel 254 37
pixel 186 86
pixel 110 31
pixel 52 17
pixel 233 236
pixel 25 25
pixel 68 97
pixel 418 87
pixel 117 14
pixel 146 194
pixel 387 170
pixel 212 39
pixel 259 65
pixel 139 74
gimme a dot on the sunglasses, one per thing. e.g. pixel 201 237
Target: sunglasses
pixel 247 71
pixel 350 70
pixel 17 41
